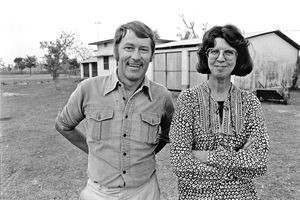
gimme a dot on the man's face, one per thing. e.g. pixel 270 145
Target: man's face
pixel 134 58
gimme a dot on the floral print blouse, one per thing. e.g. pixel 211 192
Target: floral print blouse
pixel 230 169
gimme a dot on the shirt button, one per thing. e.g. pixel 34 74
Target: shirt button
pixel 124 135
pixel 126 116
pixel 124 172
pixel 124 154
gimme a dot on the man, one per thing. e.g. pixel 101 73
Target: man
pixel 128 118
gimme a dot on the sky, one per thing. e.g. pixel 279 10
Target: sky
pixel 24 24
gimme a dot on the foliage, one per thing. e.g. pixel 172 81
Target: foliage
pixel 30 62
pixel 189 29
pixel 19 63
pixel 64 54
pixel 73 64
pixel 81 52
pixel 156 34
pixel 57 55
pixel 296 74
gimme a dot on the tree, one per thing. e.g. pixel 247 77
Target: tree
pixel 296 74
pixel 189 29
pixel 156 34
pixel 73 65
pixel 2 64
pixel 81 52
pixel 30 62
pixel 19 63
pixel 57 55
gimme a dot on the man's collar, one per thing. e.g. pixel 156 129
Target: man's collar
pixel 113 82
pixel 146 85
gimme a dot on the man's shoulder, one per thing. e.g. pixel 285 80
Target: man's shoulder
pixel 95 80
pixel 158 88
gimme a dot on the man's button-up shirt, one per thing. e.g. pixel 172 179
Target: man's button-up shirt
pixel 122 134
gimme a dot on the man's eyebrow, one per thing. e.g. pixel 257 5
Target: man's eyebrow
pixel 128 43
pixel 131 44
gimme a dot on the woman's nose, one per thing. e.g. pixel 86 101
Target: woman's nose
pixel 221 56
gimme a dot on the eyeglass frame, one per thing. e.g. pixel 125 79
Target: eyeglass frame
pixel 224 55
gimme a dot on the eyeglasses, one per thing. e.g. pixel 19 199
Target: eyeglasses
pixel 229 54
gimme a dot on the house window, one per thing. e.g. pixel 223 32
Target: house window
pixel 86 70
pixel 94 69
pixel 106 62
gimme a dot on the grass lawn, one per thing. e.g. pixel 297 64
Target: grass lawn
pixel 38 163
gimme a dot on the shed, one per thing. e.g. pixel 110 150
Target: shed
pixel 175 64
pixel 275 58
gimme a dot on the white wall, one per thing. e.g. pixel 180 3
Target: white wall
pixel 274 62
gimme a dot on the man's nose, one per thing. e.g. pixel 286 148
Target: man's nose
pixel 136 54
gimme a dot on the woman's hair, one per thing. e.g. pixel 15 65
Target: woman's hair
pixel 139 28
pixel 234 38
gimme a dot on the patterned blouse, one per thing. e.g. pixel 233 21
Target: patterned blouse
pixel 229 171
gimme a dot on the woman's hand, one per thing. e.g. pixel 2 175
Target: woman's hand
pixel 248 143
pixel 202 156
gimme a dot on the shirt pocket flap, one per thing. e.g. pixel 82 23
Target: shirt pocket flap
pixel 101 115
pixel 151 119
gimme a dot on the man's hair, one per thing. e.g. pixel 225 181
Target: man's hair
pixel 234 38
pixel 139 28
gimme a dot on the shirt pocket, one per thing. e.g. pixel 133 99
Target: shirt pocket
pixel 100 123
pixel 150 125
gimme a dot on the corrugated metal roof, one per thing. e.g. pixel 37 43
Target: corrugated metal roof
pixel 102 42
pixel 277 32
pixel 180 43
pixel 159 41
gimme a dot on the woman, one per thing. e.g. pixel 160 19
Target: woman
pixel 219 141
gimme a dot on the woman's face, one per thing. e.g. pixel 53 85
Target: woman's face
pixel 221 59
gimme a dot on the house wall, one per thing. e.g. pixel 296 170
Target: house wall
pixel 176 68
pixel 101 70
pixel 105 50
pixel 195 77
pixel 274 63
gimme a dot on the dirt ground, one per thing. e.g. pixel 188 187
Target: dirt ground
pixel 37 163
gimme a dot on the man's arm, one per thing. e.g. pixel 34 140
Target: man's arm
pixel 165 124
pixel 160 146
pixel 75 137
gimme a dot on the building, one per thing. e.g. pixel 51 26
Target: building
pixel 275 57
pixel 174 64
